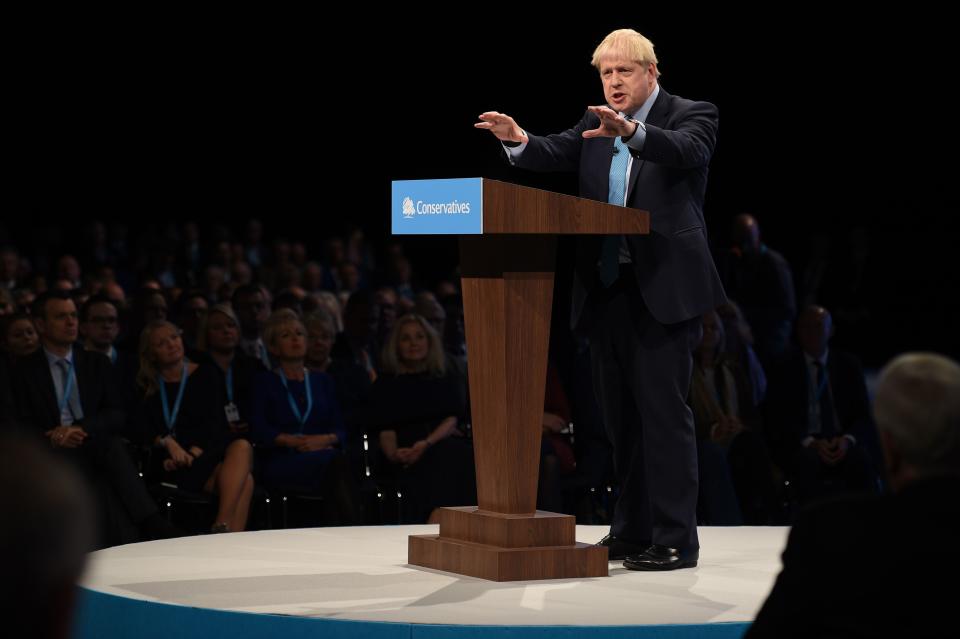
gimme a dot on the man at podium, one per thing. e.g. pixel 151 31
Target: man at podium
pixel 639 298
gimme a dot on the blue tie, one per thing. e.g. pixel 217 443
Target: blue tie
pixel 610 253
pixel 72 402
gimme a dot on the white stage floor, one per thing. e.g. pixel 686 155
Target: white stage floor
pixel 361 574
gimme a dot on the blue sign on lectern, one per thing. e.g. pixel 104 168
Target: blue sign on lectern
pixel 438 207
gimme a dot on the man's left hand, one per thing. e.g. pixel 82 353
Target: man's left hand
pixel 67 436
pixel 612 124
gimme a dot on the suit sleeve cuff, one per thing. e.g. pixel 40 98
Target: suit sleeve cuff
pixel 639 138
pixel 514 152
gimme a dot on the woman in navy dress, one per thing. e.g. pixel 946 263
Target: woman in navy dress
pixel 296 423
pixel 182 410
pixel 218 344
pixel 418 404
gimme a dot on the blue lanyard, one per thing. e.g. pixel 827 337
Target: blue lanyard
pixel 171 419
pixel 230 383
pixel 293 403
pixel 68 388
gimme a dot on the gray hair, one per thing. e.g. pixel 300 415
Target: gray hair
pixel 918 406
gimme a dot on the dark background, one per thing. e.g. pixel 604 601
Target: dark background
pixel 835 133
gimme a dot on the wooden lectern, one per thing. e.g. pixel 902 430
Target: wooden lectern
pixel 508 274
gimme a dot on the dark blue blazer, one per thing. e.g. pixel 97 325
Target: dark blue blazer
pixel 786 406
pixel 673 264
pixel 36 397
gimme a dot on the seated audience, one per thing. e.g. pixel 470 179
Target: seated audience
pixel 417 407
pixel 736 480
pixel 298 426
pixel 182 413
pixel 218 345
pixel 18 336
pixel 872 566
pixel 70 397
pixel 817 415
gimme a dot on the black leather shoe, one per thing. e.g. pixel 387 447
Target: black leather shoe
pixel 658 557
pixel 618 548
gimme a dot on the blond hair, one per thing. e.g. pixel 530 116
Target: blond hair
pixel 435 362
pixel 147 375
pixel 279 319
pixel 628 44
pixel 331 303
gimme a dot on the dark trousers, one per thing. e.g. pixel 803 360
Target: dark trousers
pixel 105 460
pixel 812 479
pixel 641 376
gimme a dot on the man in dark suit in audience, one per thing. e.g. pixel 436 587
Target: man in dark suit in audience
pixel 99 329
pixel 251 307
pixel 70 396
pixel 874 566
pixel 817 414
pixel 760 280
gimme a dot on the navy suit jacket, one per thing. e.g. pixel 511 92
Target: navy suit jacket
pixel 673 264
pixel 787 403
pixel 100 397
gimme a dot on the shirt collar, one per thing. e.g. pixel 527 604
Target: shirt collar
pixel 644 109
pixel 53 359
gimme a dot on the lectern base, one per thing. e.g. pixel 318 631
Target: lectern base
pixel 507 547
pixel 507 564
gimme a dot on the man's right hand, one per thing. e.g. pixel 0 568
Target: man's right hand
pixel 502 126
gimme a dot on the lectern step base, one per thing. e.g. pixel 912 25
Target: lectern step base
pixel 507 564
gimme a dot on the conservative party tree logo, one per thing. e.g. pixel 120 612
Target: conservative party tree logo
pixel 409 210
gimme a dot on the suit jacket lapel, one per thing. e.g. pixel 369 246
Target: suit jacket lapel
pixel 658 118
pixel 81 366
pixel 45 387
